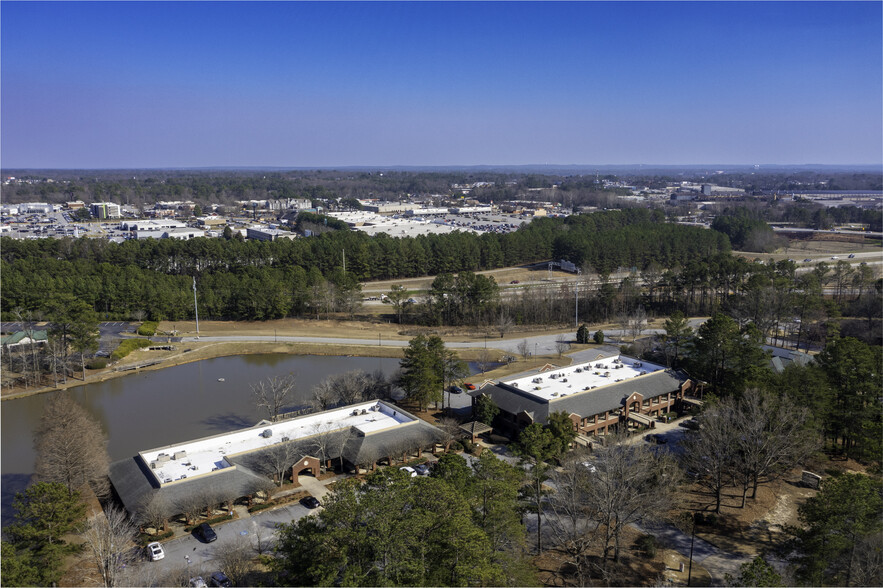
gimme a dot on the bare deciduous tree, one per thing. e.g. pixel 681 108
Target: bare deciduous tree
pixel 235 559
pixel 524 349
pixel 771 437
pixel 504 324
pixel 450 428
pixel 485 358
pixel 637 322
pixel 569 518
pixel 561 346
pixel 154 512
pixel 190 505
pixel 108 537
pixel 273 393
pixel 71 446
pixel 710 452
pixel 278 459
pixel 630 483
pixel 322 438
pixel 263 542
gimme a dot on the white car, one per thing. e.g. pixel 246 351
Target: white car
pixel 155 551
pixel 410 471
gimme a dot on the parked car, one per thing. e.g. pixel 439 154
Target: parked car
pixel 409 470
pixel 219 579
pixel 422 469
pixel 689 424
pixel 310 502
pixel 455 390
pixel 197 582
pixel 514 282
pixel 469 386
pixel 155 551
pixel 205 532
pixel 807 260
pixel 852 256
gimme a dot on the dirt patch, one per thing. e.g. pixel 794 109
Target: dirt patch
pixel 759 525
pixel 635 568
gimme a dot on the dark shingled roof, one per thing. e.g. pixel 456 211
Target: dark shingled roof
pixel 132 482
pixel 365 450
pixel 591 402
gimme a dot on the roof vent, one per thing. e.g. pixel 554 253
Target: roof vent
pixel 267 433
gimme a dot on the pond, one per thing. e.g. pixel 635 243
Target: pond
pixel 161 407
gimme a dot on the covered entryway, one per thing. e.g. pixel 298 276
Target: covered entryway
pixel 306 466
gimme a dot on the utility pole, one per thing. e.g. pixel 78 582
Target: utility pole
pixel 344 261
pixel 195 308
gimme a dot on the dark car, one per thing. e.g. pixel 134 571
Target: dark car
pixel 205 532
pixel 456 390
pixel 310 502
pixel 219 579
pixel 422 469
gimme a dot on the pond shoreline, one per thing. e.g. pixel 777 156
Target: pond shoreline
pixel 210 351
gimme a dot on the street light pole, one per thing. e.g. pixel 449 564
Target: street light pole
pixel 195 308
pixel 576 307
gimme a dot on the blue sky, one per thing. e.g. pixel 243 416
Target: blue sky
pixel 168 84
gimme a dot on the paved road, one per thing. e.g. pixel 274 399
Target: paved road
pixel 538 344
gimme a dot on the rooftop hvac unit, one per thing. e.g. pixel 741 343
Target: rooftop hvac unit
pixel 179 454
pixel 267 433
pixel 162 457
pixel 356 412
pixel 364 411
pixel 284 439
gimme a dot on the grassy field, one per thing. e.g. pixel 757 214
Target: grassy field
pixel 819 249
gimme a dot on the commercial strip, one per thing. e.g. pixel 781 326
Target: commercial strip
pixel 239 464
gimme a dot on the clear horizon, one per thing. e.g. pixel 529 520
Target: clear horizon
pixel 171 85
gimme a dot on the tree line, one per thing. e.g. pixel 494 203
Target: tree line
pixel 263 280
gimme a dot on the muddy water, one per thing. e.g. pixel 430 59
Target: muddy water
pixel 167 406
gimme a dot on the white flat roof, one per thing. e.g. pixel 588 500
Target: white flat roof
pixel 584 376
pixel 202 456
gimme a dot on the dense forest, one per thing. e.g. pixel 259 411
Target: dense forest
pixel 263 280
